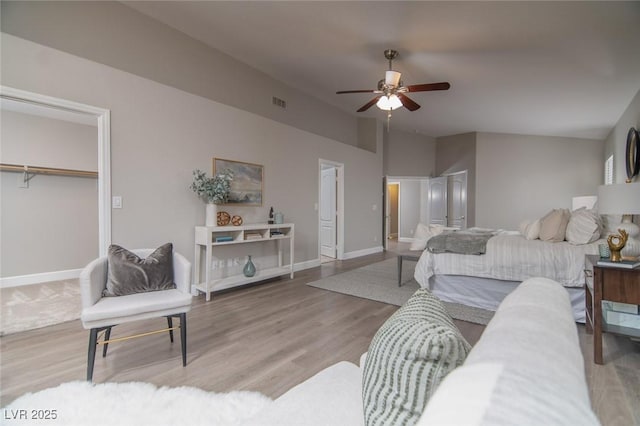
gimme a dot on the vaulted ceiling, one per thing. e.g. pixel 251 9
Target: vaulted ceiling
pixel 542 68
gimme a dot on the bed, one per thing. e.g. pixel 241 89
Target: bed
pixel 484 280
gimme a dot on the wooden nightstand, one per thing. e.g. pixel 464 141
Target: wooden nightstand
pixel 612 284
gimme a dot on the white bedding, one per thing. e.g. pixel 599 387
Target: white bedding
pixel 511 257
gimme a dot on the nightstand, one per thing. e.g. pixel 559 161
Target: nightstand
pixel 610 284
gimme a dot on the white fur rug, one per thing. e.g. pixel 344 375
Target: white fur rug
pixel 133 403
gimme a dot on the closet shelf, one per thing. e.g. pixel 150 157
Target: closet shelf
pixel 47 170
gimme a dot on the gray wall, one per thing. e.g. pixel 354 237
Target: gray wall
pixel 523 177
pixel 616 142
pixel 159 134
pixel 410 202
pixel 114 34
pixel 408 154
pixel 53 224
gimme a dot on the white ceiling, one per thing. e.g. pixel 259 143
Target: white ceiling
pixel 542 68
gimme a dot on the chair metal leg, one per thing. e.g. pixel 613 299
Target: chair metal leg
pixel 91 356
pixel 183 337
pixel 107 336
pixel 170 324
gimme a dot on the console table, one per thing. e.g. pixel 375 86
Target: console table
pixel 210 238
pixel 612 284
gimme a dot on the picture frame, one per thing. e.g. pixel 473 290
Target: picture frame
pixel 248 181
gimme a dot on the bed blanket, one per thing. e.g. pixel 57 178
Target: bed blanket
pixel 460 242
pixel 511 257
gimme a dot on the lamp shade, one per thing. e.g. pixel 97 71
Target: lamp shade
pixel 621 198
pixel 392 78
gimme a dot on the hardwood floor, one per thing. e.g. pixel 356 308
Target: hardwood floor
pixel 266 338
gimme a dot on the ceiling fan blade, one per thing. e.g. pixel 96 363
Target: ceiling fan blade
pixel 369 104
pixel 407 102
pixel 354 91
pixel 428 87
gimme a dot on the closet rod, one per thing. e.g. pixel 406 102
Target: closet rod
pixel 47 170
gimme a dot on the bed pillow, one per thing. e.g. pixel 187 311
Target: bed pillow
pixel 530 229
pixel 584 227
pixel 553 226
pixel 129 274
pixel 423 234
pixel 409 356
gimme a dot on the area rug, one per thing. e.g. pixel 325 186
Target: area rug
pixel 39 305
pixel 379 281
pixel 132 403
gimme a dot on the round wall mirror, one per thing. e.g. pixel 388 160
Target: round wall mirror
pixel 632 154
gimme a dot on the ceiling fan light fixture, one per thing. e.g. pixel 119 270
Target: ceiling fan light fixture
pixel 389 102
pixel 392 78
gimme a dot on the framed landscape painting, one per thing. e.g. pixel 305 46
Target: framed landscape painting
pixel 247 184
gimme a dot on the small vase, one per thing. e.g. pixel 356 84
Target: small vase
pixel 249 268
pixel 211 213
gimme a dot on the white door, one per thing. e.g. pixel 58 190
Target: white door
pixel 328 212
pixel 437 201
pixel 457 196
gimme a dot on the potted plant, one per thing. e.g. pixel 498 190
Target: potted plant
pixel 212 190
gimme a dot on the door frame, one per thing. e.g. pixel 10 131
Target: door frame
pixel 104 150
pixel 339 206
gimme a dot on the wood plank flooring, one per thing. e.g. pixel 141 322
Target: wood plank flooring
pixel 266 338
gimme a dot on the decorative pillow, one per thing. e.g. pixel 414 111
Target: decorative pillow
pixel 584 227
pixel 423 234
pixel 530 230
pixel 129 274
pixel 408 357
pixel 553 226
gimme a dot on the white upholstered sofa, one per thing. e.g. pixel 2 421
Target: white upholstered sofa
pixel 526 369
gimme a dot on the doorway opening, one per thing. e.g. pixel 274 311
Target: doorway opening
pixel 393 189
pixel 330 211
pixel 23 105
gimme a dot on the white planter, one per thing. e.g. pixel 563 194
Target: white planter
pixel 211 214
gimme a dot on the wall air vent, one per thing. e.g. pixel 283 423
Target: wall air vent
pixel 279 102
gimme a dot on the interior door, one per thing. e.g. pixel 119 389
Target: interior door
pixel 457 200
pixel 328 212
pixel 437 200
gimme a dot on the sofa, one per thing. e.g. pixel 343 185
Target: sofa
pixel 526 369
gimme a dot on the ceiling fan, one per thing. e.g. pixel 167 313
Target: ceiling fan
pixel 391 90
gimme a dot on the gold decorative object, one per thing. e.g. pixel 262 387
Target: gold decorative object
pixel 616 243
pixel 236 220
pixel 223 218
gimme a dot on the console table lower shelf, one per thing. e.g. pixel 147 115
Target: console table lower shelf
pixel 236 280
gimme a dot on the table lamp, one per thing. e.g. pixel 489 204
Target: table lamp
pixel 624 199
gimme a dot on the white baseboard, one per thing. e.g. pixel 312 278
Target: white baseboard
pixel 405 240
pixel 308 264
pixel 363 252
pixel 20 280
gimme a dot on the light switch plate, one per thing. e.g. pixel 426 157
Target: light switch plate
pixel 116 202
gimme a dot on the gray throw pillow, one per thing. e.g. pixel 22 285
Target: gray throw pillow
pixel 408 358
pixel 129 274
